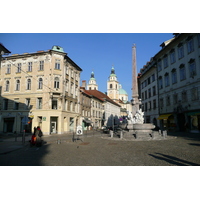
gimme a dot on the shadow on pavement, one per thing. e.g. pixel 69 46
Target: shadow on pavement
pixel 25 156
pixel 186 135
pixel 194 144
pixel 173 160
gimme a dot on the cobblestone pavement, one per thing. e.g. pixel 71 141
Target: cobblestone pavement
pixel 96 149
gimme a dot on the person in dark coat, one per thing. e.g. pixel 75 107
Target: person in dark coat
pixel 38 134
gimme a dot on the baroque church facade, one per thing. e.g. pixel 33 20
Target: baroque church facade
pixel 114 91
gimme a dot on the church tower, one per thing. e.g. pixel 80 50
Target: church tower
pixel 92 85
pixel 113 86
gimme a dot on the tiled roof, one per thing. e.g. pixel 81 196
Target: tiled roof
pixel 101 96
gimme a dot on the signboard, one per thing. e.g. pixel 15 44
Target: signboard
pixel 25 120
pixel 79 130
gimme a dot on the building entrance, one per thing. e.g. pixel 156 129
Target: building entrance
pixel 54 124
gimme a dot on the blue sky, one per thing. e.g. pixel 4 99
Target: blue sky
pixel 93 51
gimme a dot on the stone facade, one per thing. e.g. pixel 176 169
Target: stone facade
pixel 43 86
pixel 178 80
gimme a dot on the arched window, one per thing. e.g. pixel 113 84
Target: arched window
pixel 28 84
pixel 17 85
pixel 56 82
pixel 40 83
pixel 110 85
pixel 7 86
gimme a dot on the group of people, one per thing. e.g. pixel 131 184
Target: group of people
pixel 36 137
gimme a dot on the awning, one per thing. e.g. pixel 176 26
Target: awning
pixel 164 116
pixel 194 113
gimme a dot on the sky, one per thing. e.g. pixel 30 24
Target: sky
pixel 96 52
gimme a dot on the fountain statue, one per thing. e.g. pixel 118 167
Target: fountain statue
pixel 136 126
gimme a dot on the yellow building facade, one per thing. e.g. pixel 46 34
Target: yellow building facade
pixel 39 89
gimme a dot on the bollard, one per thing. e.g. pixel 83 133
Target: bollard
pixel 111 133
pixel 121 134
pixel 164 134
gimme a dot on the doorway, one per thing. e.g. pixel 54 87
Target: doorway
pixel 54 125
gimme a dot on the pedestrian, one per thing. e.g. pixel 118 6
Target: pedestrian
pixel 38 134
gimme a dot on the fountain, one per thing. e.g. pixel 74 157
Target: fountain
pixel 136 127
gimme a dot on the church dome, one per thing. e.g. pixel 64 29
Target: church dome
pixel 122 91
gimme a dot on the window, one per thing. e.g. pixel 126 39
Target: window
pixel 71 105
pixel 166 79
pixel 5 104
pixel 182 72
pixel 19 66
pixel 145 94
pixel 7 86
pixel 165 61
pixel 39 103
pixel 27 103
pixel 41 66
pixel 184 96
pixel 72 88
pixel 154 90
pixel 40 83
pixel 54 103
pixel 56 82
pixel 149 80
pixel 161 103
pixel 110 86
pixel 149 92
pixel 17 85
pixel 57 64
pixel 160 82
pixel 175 98
pixel 145 107
pixel 16 104
pixel 192 68
pixel 29 84
pixel 153 77
pixel 149 105
pixel 194 94
pixel 172 57
pixel 30 66
pixel 190 45
pixel 180 51
pixel 159 65
pixel 154 104
pixel 168 103
pixel 174 76
pixel 8 69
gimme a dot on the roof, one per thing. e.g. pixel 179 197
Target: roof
pixel 101 96
pixel 122 91
pixel 3 50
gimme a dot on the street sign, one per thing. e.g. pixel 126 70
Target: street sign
pixel 79 130
pixel 25 120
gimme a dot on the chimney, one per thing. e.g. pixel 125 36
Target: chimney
pixel 84 85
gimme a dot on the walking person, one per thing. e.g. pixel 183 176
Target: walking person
pixel 38 134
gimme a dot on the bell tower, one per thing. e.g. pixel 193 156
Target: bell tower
pixel 113 86
pixel 92 85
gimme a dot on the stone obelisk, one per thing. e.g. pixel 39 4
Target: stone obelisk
pixel 135 101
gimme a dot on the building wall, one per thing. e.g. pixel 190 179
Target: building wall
pixel 52 104
pixel 97 110
pixel 148 93
pixel 178 85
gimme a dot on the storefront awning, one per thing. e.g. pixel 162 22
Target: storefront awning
pixel 164 116
pixel 194 113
